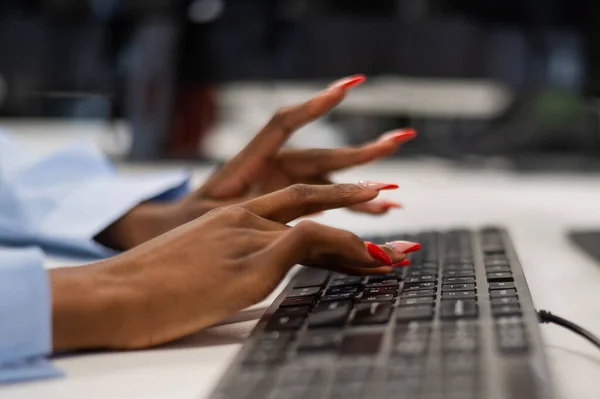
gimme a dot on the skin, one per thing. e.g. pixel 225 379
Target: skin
pixel 262 167
pixel 172 285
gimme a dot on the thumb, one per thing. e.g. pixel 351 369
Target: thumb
pixel 298 200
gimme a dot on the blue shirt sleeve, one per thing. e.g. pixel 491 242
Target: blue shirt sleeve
pixel 25 317
pixel 61 201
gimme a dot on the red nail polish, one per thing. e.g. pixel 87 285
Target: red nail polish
pixel 349 82
pixel 399 136
pixel 389 205
pixel 378 254
pixel 375 185
pixel 405 262
pixel 414 248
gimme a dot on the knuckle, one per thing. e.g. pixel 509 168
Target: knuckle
pixel 306 228
pixel 236 213
pixel 281 118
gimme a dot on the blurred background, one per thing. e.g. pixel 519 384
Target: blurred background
pixel 510 82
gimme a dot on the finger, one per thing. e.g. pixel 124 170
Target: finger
pixel 308 242
pixel 323 161
pixel 376 207
pixel 240 171
pixel 302 199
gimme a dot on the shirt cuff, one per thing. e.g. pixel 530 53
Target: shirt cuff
pixel 101 202
pixel 26 316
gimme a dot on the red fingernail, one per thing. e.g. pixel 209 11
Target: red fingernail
pixel 405 262
pixel 378 254
pixel 348 82
pixel 399 136
pixel 389 204
pixel 404 246
pixel 375 185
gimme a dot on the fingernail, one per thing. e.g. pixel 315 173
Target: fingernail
pixel 390 204
pixel 378 254
pixel 404 246
pixel 399 136
pixel 348 82
pixel 405 262
pixel 375 185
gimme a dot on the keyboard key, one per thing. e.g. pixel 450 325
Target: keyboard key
pixel 459 343
pixel 459 295
pixel 380 290
pixel 342 290
pixel 300 301
pixel 503 293
pixel 343 281
pixel 377 279
pixel 416 328
pixel 512 340
pixel 497 269
pixel 458 280
pixel 506 310
pixel 293 311
pixel 338 297
pixel 461 326
pixel 501 285
pixel 299 292
pixel 329 314
pixel 383 283
pixel 311 277
pixel 411 345
pixel 459 309
pixel 421 272
pixel 420 279
pixel 500 276
pixel 495 259
pixel 458 266
pixel 459 273
pixel 366 344
pixel 372 313
pixel 458 287
pixel 284 323
pixel 319 340
pixel 418 286
pixel 417 301
pixel 377 298
pixel 504 301
pixel 417 293
pixel 411 313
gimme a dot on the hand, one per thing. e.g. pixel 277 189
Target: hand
pixel 260 168
pixel 210 268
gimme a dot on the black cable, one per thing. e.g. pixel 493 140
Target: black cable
pixel 546 317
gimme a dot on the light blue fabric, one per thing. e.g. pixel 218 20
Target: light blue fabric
pixel 61 201
pixel 25 316
pixel 55 202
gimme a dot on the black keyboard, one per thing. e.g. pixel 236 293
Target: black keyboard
pixel 459 323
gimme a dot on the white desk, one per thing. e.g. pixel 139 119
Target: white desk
pixel 536 209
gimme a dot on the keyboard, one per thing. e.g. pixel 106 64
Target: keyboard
pixel 459 323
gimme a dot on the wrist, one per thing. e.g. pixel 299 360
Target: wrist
pixel 137 226
pixel 90 309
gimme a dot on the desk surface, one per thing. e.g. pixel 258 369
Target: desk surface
pixel 537 209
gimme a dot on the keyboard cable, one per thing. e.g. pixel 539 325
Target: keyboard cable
pixel 546 317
